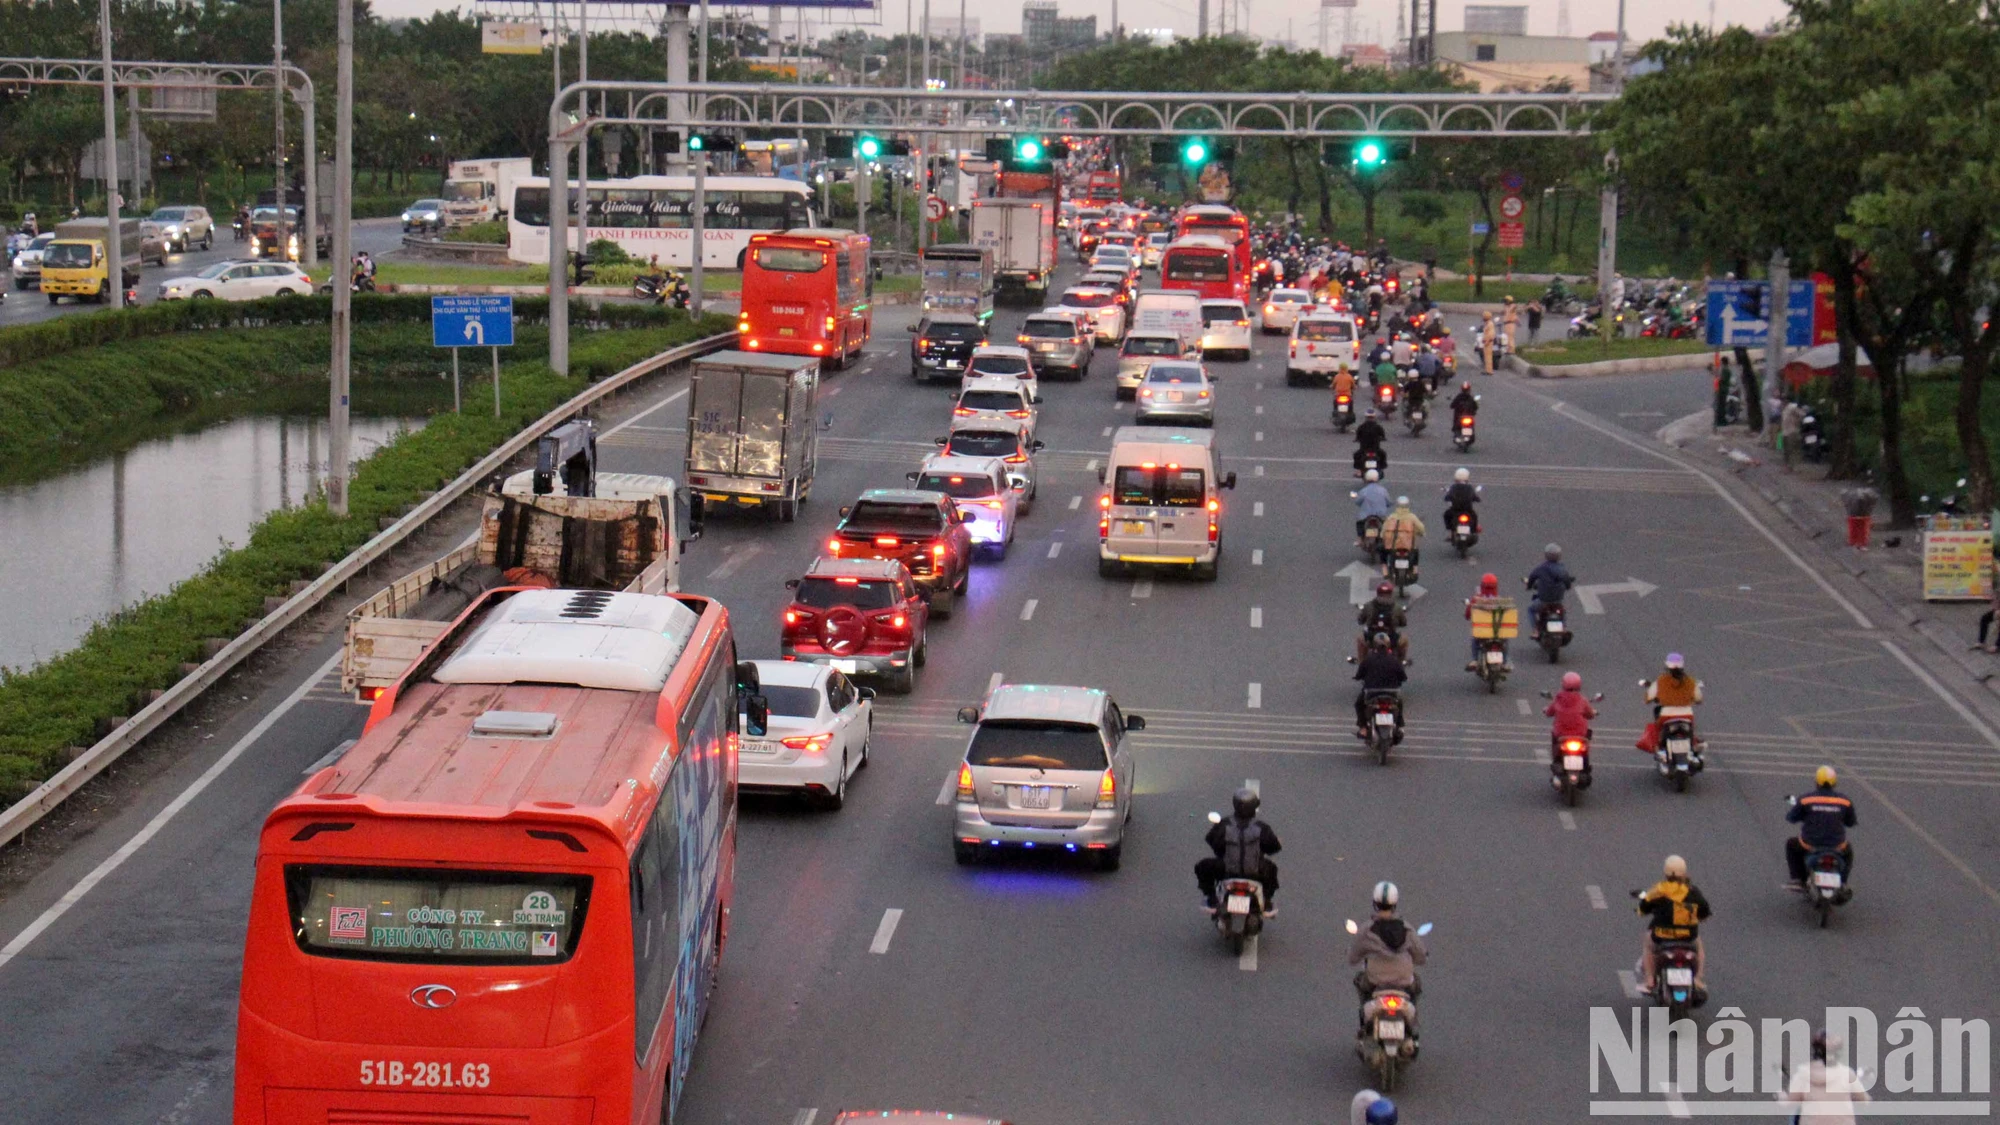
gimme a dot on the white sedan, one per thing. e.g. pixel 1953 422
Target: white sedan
pixel 239 281
pixel 1225 327
pixel 817 736
pixel 1282 309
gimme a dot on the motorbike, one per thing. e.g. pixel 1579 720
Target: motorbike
pixel 1812 438
pixel 1402 571
pixel 1387 1037
pixel 1673 977
pixel 1462 432
pixel 1679 754
pixel 1343 412
pixel 1385 399
pixel 1414 417
pixel 240 228
pixel 1569 762
pixel 1371 460
pixel 1239 913
pixel 667 290
pixel 1491 665
pixel 1552 632
pixel 1463 537
pixel 1826 883
pixel 1383 708
pixel 1371 538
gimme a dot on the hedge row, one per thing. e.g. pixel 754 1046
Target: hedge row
pixel 59 703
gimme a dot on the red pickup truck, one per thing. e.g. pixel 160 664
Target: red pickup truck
pixel 924 531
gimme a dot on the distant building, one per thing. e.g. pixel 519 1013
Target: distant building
pixel 1497 19
pixel 1501 63
pixel 1076 31
pixel 1366 55
pixel 950 27
pixel 1038 23
pixel 1603 45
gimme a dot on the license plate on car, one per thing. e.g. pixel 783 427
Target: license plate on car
pixel 1239 904
pixel 1388 1029
pixel 759 746
pixel 1573 763
pixel 1554 626
pixel 1035 796
pixel 1681 977
pixel 1174 396
pixel 1829 879
pixel 1132 527
pixel 847 666
pixel 1384 719
pixel 954 363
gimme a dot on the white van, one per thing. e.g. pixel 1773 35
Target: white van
pixel 1162 501
pixel 1169 310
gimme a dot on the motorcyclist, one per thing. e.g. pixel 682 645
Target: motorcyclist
pixel 1675 910
pixel 1371 501
pixel 1402 530
pixel 1547 584
pixel 1427 367
pixel 1402 352
pixel 1414 394
pixel 1828 1087
pixel 1572 712
pixel 1447 348
pixel 1487 600
pixel 1823 816
pixel 1460 498
pixel 1343 384
pixel 1388 950
pixel 1371 1108
pixel 1243 847
pixel 1673 688
pixel 1465 403
pixel 1369 434
pixel 1380 617
pixel 1380 352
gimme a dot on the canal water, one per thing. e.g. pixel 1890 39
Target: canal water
pixel 77 547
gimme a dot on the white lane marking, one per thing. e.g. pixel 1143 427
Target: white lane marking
pixel 1091 464
pixel 145 835
pixel 1260 410
pixel 1247 960
pixel 1950 700
pixel 1259 472
pixel 1567 819
pixel 993 683
pixel 1257 509
pixel 1143 588
pixel 1260 386
pixel 1257 557
pixel 1028 611
pixel 1596 895
pixel 950 787
pixel 1259 436
pixel 1055 548
pixel 806 1116
pixel 1839 599
pixel 885 931
pixel 1107 429
pixel 735 562
pixel 1523 706
pixel 1075 502
pixel 1629 981
pixel 1256 697
pixel 1256 617
pixel 1254 786
pixel 658 406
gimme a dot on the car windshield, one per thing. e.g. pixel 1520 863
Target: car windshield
pixel 861 593
pixel 992 400
pixel 436 916
pixel 999 365
pixel 1289 296
pixel 168 215
pixel 956 333
pixel 1048 329
pixel 1210 314
pixel 983 443
pixel 1158 488
pixel 1151 345
pixel 788 260
pixel 958 486
pixel 887 517
pixel 270 215
pixel 434 204
pixel 1336 331
pixel 1036 744
pixel 64 255
pixel 793 701
pixel 1159 238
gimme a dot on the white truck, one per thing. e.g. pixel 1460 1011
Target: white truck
pixel 1168 310
pixel 1022 235
pixel 753 430
pixel 480 191
pixel 627 533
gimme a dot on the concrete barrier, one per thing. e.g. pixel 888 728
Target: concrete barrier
pixel 1690 361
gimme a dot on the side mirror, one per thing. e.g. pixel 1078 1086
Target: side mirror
pixel 1017 482
pixel 791 583
pixel 844 509
pixel 867 692
pixel 697 515
pixel 911 477
pixel 1135 722
pixel 1036 446
pixel 1352 928
pixel 756 715
pixel 1229 480
pixel 1215 818
pixel 747 679
pixel 1035 400
pixel 965 517
pixel 968 714
pixel 941 441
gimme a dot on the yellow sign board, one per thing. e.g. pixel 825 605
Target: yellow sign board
pixel 510 37
pixel 1958 563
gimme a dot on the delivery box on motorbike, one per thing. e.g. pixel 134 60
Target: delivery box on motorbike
pixel 1495 619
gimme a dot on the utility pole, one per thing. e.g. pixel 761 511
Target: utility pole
pixel 1201 20
pixel 1607 201
pixel 284 196
pixel 133 134
pixel 677 70
pixel 961 44
pixel 343 253
pixel 114 272
pixel 701 177
pixel 1777 312
pixel 583 140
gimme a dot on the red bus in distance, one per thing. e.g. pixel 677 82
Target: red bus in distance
pixel 1205 265
pixel 1217 221
pixel 507 901
pixel 806 292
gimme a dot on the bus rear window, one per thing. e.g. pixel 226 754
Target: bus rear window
pixel 1224 231
pixel 436 917
pixel 1197 266
pixel 787 259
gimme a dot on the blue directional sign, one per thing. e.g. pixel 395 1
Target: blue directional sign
pixel 472 322
pixel 1738 314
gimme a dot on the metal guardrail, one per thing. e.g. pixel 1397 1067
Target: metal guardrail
pixel 483 252
pixel 23 814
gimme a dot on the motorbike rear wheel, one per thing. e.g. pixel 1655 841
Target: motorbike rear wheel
pixel 1236 941
pixel 1825 908
pixel 1553 647
pixel 1385 1073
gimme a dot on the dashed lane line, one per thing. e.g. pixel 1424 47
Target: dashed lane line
pixel 885 932
pixel 1257 557
pixel 1595 894
pixel 1143 588
pixel 1055 548
pixel 1247 960
pixel 1028 610
pixel 1256 697
pixel 1256 617
pixel 1257 509
pixel 1075 502
pixel 1567 819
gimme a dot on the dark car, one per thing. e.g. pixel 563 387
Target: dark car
pixel 943 343
pixel 924 531
pixel 861 616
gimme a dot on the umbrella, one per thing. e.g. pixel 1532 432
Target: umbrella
pixel 1819 362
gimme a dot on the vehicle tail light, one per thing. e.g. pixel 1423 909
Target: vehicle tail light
pixel 742 326
pixel 1144 393
pixel 1242 324
pixel 965 781
pixel 1104 527
pixel 819 348
pixel 1467 422
pixel 1342 400
pixel 1572 745
pixel 1017 459
pixel 993 504
pixel 1464 521
pixel 1107 791
pixel 1017 414
pixel 1392 1003
pixel 829 324
pixel 1021 340
pixel 1269 309
pixel 961 412
pixel 755 343
pixel 810 743
pixel 937 551
pixel 1202 394
pixel 1214 529
pixel 370 694
pixel 791 617
pixel 1104 500
pixel 923 343
pixel 833 546
pixel 886 541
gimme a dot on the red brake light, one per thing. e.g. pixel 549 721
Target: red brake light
pixel 1017 414
pixel 886 541
pixel 937 550
pixel 811 743
pixel 1017 459
pixel 922 342
pixel 898 621
pixel 833 546
pixel 791 617
pixel 371 694
pixel 965 781
pixel 961 412
pixel 1573 745
pixel 1104 501
pixel 847 581
pixel 1392 1003
pixel 1107 791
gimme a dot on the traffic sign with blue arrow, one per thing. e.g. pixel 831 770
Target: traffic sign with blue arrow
pixel 472 322
pixel 1738 314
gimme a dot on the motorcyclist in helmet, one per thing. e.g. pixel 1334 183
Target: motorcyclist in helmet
pixel 1673 688
pixel 1382 615
pixel 1460 498
pixel 1823 816
pixel 1370 434
pixel 1343 382
pixel 1402 531
pixel 1675 910
pixel 1380 352
pixel 1380 670
pixel 1371 1108
pixel 1572 712
pixel 1243 847
pixel 1428 367
pixel 1416 393
pixel 1465 403
pixel 1387 949
pixel 1486 602
pixel 1372 501
pixel 1547 584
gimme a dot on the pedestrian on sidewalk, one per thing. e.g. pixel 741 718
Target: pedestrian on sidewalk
pixel 1860 504
pixel 1722 376
pixel 1535 311
pixel 1791 430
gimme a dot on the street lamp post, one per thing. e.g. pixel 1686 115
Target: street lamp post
pixel 114 267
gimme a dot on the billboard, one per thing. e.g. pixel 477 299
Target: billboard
pixel 510 37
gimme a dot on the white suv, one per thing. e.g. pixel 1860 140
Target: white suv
pixel 1321 342
pixel 983 489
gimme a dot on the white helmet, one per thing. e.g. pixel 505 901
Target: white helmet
pixel 1372 476
pixel 1462 475
pixel 1385 895
pixel 1402 501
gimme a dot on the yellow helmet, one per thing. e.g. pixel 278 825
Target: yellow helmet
pixel 1825 778
pixel 1676 868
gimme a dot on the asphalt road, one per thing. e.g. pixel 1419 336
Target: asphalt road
pixel 28 306
pixel 1053 995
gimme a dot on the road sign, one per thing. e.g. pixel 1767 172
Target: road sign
pixel 1480 228
pixel 1511 207
pixel 1513 182
pixel 1731 323
pixel 934 208
pixel 1513 234
pixel 472 322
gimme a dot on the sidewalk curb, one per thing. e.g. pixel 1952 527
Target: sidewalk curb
pixel 1688 361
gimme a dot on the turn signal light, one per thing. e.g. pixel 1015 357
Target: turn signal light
pixel 810 743
pixel 965 781
pixel 1107 791
pixel 1104 501
pixel 937 551
pixel 833 546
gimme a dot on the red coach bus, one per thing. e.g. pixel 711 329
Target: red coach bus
pixel 806 292
pixel 1104 187
pixel 1205 265
pixel 507 901
pixel 1225 223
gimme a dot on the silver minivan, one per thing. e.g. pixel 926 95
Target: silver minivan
pixel 1047 768
pixel 1162 504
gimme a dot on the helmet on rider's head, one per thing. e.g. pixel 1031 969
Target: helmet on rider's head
pixel 1385 589
pixel 1676 660
pixel 1465 386
pixel 1245 801
pixel 1553 552
pixel 1825 778
pixel 1675 868
pixel 1381 1112
pixel 1381 641
pixel 1572 682
pixel 1489 585
pixel 1462 475
pixel 1371 476
pixel 1371 412
pixel 1402 501
pixel 1385 896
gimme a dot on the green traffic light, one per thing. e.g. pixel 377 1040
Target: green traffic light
pixel 870 148
pixel 694 142
pixel 1369 153
pixel 1195 152
pixel 1028 150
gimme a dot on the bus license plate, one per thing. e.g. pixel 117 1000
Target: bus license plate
pixel 432 1075
pixel 788 331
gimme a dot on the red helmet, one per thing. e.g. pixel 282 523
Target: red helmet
pixel 1489 586
pixel 1572 682
pixel 1385 590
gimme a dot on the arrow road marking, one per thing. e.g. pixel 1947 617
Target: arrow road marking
pixel 1360 581
pixel 1592 597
